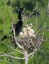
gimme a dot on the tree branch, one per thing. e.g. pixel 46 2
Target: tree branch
pixel 15 50
pixel 16 39
pixel 7 55
pixel 32 53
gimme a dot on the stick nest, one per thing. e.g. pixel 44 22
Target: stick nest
pixel 29 42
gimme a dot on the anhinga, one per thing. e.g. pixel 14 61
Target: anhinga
pixel 18 25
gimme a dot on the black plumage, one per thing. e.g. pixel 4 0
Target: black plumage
pixel 18 25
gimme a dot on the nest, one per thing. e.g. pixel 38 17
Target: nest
pixel 29 42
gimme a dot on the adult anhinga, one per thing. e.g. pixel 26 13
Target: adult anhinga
pixel 18 25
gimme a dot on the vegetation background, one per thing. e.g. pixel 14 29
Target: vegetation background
pixel 8 12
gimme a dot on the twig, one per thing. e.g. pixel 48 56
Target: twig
pixel 32 53
pixel 15 50
pixel 11 56
pixel 16 39
pixel 39 30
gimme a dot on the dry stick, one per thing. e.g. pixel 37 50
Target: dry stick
pixel 16 38
pixel 38 30
pixel 11 56
pixel 7 55
pixel 15 50
pixel 32 53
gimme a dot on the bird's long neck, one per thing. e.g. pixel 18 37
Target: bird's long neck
pixel 19 16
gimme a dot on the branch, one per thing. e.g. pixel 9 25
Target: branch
pixel 7 55
pixel 43 36
pixel 26 57
pixel 15 50
pixel 16 38
pixel 32 53
pixel 39 30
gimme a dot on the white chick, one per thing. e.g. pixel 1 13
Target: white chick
pixel 25 32
pixel 31 32
pixel 21 34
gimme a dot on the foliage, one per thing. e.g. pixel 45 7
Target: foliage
pixel 42 55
